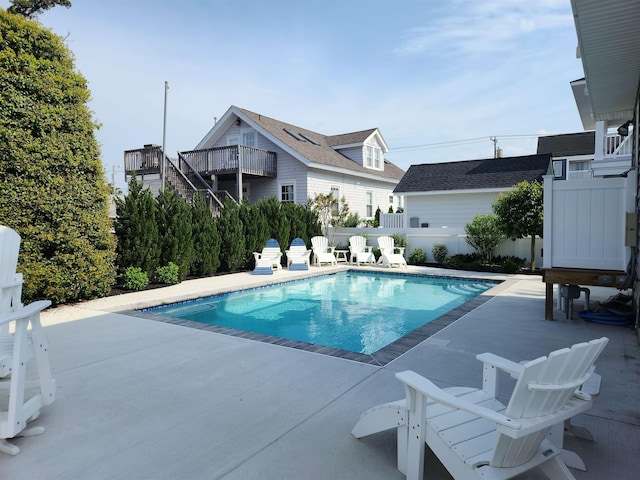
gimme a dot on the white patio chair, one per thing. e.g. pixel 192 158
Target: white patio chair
pixel 321 251
pixel 476 436
pixel 390 255
pixel 19 346
pixel 360 251
pixel 298 255
pixel 269 259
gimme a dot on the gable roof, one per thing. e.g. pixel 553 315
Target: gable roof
pixel 568 145
pixel 311 148
pixel 490 173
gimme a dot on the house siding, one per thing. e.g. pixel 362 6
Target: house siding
pixel 353 188
pixel 452 210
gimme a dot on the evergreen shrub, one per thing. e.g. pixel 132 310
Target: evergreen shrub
pixel 134 279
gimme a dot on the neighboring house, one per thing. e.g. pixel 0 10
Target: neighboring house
pixel 451 194
pixel 249 156
pixel 591 225
pixel 571 154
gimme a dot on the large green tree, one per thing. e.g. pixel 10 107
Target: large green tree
pixel 520 211
pixel 137 230
pixel 52 186
pixel 32 8
pixel 206 239
pixel 173 217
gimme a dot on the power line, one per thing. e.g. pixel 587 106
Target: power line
pixel 462 142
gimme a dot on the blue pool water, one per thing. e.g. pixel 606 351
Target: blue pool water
pixel 358 312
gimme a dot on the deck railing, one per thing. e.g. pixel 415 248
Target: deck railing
pixel 221 160
pixel 617 146
pixel 143 160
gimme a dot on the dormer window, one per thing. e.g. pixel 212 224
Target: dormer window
pixel 372 157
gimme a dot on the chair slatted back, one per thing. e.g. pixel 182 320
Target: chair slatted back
pixel 271 249
pixel 357 243
pixel 320 245
pixel 544 387
pixel 298 247
pixel 386 245
pixel 10 281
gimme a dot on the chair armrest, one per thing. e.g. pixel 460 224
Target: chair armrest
pixel 257 255
pixel 418 383
pixel 400 250
pixel 368 249
pixel 513 368
pixel 25 312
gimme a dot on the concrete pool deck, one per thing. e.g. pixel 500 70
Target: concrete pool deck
pixel 141 399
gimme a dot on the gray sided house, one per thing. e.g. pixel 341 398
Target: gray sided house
pixel 268 157
pixel 571 154
pixel 451 194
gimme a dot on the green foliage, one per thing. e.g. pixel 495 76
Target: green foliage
pixel 296 218
pixel 417 257
pixel 206 239
pixel 476 262
pixel 232 247
pixel 376 218
pixel 521 212
pixel 279 227
pixel 352 220
pixel 135 279
pixel 173 217
pixel 256 231
pixel 169 274
pixel 51 177
pixel 399 240
pixel 136 229
pixel 439 252
pixel 32 8
pixel 484 234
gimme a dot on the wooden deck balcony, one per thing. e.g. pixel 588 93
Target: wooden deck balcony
pixel 211 161
pixel 229 160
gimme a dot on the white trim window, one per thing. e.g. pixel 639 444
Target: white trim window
pixel 335 192
pixel 377 155
pixel 287 193
pixel 368 158
pixel 249 138
pixel 368 202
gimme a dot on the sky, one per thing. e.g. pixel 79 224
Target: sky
pixel 438 79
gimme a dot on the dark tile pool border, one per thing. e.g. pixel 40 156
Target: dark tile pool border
pixel 381 357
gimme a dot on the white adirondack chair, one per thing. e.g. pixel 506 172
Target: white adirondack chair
pixel 18 348
pixel 476 436
pixel 390 255
pixel 298 255
pixel 360 251
pixel 269 259
pixel 321 251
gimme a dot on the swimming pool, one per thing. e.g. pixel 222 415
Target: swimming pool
pixel 356 312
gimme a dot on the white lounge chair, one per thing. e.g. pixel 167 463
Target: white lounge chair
pixel 298 255
pixel 18 348
pixel 360 251
pixel 269 259
pixel 476 436
pixel 321 251
pixel 390 255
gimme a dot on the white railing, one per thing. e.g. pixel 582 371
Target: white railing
pixel 616 145
pixel 391 220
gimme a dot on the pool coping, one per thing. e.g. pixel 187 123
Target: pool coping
pixel 380 357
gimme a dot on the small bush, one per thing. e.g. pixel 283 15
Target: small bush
pixel 135 279
pixel 440 252
pixel 417 257
pixel 399 240
pixel 169 274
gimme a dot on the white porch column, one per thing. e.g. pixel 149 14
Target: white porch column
pixel 601 137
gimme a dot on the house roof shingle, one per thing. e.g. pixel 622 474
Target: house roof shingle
pixel 474 174
pixel 320 150
pixel 568 145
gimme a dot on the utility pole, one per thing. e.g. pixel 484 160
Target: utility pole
pixel 164 139
pixel 495 146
